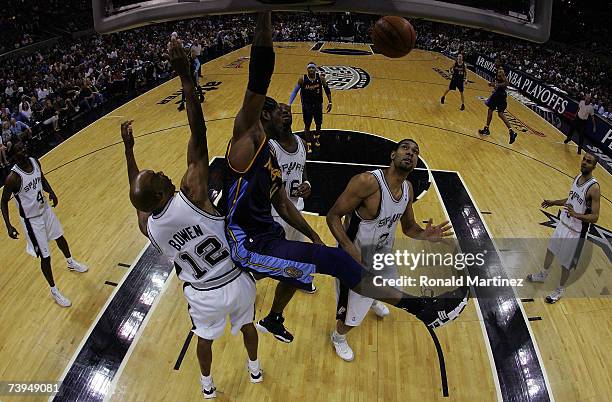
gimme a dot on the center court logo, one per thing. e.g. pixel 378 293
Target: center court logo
pixel 344 77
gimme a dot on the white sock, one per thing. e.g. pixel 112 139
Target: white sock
pixel 206 380
pixel 544 272
pixel 339 337
pixel 69 260
pixel 254 365
pixel 54 289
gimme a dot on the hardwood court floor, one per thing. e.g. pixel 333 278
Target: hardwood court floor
pixel 395 359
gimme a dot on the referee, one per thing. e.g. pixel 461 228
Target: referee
pixel 585 109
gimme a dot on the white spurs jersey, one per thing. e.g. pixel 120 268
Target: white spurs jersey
pixel 292 166
pixel 30 199
pixel 194 241
pixel 577 198
pixel 377 235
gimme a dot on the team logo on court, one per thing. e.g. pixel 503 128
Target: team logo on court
pixel 344 77
pixel 602 237
pixel 209 86
pixel 238 62
pixel 293 272
pixel 516 123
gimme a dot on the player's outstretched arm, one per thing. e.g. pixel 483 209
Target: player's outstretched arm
pixel 132 168
pixel 261 67
pixel 550 203
pixel 11 185
pixel 358 190
pixel 413 230
pixel 292 216
pixel 195 181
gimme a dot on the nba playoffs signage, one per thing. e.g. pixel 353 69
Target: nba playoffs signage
pixel 551 99
pixel 345 77
pixel 532 88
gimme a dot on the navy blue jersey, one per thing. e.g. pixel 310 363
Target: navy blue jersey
pixel 248 195
pixel 458 72
pixel 312 91
pixel 499 90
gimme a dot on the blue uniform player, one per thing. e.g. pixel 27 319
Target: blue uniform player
pixel 458 80
pixel 498 101
pixel 253 183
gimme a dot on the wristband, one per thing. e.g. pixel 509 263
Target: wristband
pixel 307 182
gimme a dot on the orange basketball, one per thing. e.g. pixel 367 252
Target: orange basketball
pixel 393 36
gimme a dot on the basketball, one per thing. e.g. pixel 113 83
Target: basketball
pixel 393 36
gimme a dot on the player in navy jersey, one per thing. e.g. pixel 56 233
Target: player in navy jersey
pixel 311 87
pixel 458 79
pixel 498 101
pixel 253 183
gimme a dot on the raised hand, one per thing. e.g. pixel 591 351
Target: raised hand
pixel 126 134
pixel 547 203
pixel 178 59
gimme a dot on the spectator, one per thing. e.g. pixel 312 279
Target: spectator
pixel 25 112
pixel 50 116
pixel 4 162
pixel 20 130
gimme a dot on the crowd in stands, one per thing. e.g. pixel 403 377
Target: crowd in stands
pixel 41 91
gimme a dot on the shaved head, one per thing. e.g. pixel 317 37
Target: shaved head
pixel 149 190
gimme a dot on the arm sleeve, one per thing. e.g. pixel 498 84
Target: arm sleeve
pixel 294 94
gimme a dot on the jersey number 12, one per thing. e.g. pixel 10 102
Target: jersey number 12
pixel 210 251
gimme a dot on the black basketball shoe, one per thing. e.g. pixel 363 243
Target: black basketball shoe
pixel 274 325
pixel 438 311
pixel 484 131
pixel 513 136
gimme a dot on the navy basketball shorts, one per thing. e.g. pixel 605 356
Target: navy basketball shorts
pixel 456 84
pixel 497 102
pixel 310 111
pixel 294 262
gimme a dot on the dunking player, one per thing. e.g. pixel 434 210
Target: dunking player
pixel 27 182
pixel 253 182
pixel 311 87
pixel 187 229
pixel 374 202
pixel 498 101
pixel 458 80
pixel 581 208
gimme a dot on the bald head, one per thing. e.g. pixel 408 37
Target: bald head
pixel 146 192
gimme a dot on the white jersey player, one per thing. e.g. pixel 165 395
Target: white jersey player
pixel 581 208
pixel 187 229
pixel 374 203
pixel 27 184
pixel 290 152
